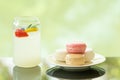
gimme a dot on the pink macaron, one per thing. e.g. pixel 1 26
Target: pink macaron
pixel 76 47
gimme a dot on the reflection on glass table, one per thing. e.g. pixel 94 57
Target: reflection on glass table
pixel 92 73
pixel 20 73
pixel 109 70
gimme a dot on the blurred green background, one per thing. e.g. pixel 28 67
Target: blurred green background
pixel 96 22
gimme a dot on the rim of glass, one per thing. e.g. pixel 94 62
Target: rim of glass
pixel 18 19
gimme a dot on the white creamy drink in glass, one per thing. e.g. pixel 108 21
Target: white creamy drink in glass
pixel 26 41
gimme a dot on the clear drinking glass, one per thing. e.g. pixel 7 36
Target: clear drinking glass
pixel 26 38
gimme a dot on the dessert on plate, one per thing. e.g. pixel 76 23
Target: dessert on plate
pixel 60 55
pixel 76 53
pixel 89 54
pixel 76 47
pixel 75 59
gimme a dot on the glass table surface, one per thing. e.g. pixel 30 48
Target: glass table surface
pixel 108 70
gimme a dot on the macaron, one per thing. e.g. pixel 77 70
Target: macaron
pixel 76 47
pixel 60 55
pixel 89 54
pixel 75 59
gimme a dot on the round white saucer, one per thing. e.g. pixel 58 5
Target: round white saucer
pixel 97 60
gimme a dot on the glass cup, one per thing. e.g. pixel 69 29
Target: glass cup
pixel 26 39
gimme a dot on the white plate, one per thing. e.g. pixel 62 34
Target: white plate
pixel 97 60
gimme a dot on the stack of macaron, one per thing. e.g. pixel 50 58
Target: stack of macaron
pixel 75 53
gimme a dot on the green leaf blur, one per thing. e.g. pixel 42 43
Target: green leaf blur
pixel 96 22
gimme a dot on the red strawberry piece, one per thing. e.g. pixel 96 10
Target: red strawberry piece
pixel 20 33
